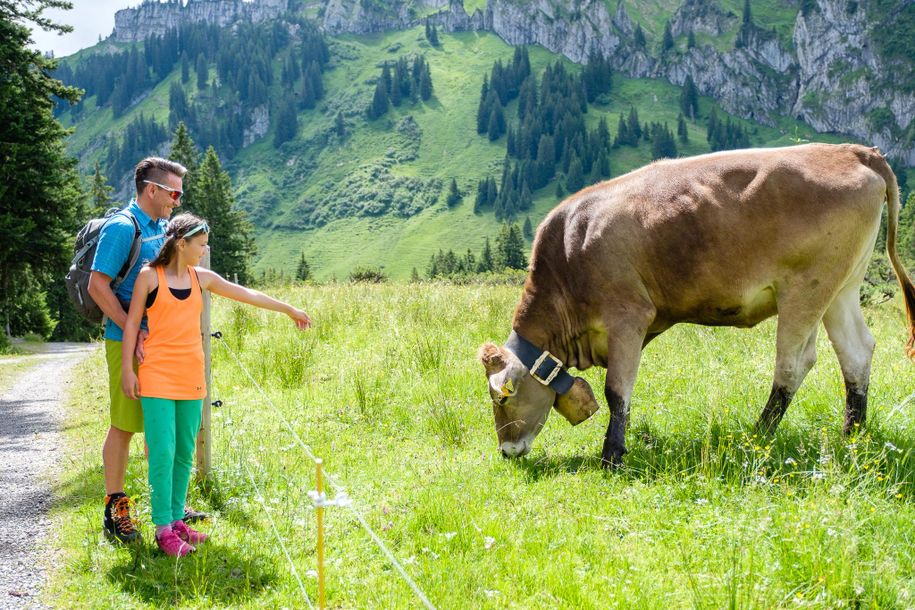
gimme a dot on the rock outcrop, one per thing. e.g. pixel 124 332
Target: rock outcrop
pixel 831 78
pixel 156 18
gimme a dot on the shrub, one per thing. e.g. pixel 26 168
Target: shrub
pixel 371 275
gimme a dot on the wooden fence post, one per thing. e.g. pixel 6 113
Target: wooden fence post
pixel 203 435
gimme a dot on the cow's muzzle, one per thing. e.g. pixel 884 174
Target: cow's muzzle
pixel 511 449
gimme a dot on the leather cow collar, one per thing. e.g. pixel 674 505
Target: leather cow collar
pixel 544 366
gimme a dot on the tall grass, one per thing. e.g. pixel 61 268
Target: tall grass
pixel 387 390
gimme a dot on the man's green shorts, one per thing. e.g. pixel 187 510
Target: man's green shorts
pixel 126 414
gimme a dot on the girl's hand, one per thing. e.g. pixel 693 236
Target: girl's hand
pixel 130 384
pixel 301 319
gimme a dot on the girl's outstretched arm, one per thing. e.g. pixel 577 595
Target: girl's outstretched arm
pixel 141 289
pixel 215 283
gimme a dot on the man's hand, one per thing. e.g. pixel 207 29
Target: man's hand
pixel 140 351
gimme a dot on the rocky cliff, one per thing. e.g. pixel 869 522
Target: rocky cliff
pixel 828 76
pixel 155 18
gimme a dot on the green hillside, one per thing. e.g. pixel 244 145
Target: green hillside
pixel 406 158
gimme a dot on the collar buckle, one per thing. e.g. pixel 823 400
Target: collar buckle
pixel 557 368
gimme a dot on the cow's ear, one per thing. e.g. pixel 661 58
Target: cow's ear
pixel 492 357
pixel 578 404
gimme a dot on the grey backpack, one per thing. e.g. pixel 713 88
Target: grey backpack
pixel 81 266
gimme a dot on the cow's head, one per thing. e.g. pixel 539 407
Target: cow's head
pixel 521 404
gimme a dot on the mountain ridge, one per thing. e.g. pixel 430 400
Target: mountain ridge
pixel 762 78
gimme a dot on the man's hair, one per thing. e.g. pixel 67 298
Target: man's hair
pixel 155 169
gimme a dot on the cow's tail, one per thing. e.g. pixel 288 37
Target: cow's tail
pixel 879 165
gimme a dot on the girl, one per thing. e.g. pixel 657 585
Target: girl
pixel 171 384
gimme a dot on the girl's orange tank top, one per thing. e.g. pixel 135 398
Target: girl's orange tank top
pixel 173 366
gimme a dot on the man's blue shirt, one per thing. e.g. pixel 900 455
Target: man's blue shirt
pixel 114 249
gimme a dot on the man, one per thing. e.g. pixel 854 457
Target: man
pixel 158 185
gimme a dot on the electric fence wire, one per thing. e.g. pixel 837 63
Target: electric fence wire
pixel 276 531
pixel 330 479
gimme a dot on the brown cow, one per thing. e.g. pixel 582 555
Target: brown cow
pixel 725 239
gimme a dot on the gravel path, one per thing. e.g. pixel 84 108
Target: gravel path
pixel 31 414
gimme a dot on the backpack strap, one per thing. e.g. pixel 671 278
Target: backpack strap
pixel 134 255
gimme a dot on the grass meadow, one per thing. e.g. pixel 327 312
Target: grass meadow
pixel 387 390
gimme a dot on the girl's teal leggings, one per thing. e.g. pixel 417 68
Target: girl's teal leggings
pixel 171 435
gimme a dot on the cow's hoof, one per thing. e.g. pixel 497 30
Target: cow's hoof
pixel 612 460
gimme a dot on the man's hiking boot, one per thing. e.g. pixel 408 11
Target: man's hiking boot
pixel 191 536
pixel 173 546
pixel 191 515
pixel 118 523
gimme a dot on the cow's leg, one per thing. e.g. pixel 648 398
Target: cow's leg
pixel 625 351
pixel 795 356
pixel 854 347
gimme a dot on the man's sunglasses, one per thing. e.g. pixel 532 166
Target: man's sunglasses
pixel 175 194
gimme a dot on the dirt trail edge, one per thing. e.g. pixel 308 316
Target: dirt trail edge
pixel 31 415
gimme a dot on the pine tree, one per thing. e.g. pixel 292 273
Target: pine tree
pixel 480 201
pixel 386 79
pixel 528 229
pixel 603 133
pixel 36 232
pixel 287 123
pixel 483 109
pixel 340 125
pixel 454 195
pixel 425 84
pixel 689 99
pixel 496 125
pixel 575 179
pixel 379 101
pixel 603 164
pixel 184 151
pixel 633 127
pixel 99 193
pixel 622 132
pixel 487 263
pixel 639 37
pixel 232 245
pixel 681 129
pixel 596 75
pixel 202 72
pixel 432 34
pixel 303 271
pixel 712 127
pixel 394 92
pixel 663 145
pixel 510 248
pixel 746 26
pixel 667 42
pixel 691 40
